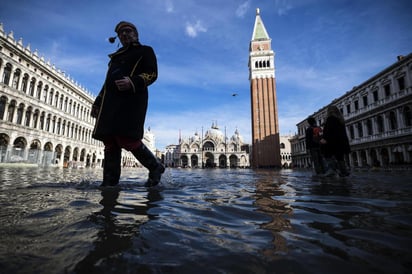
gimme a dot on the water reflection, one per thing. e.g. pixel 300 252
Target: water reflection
pixel 339 186
pixel 270 200
pixel 210 221
pixel 346 220
pixel 119 221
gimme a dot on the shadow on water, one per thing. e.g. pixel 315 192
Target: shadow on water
pixel 119 221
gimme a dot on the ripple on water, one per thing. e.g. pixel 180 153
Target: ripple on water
pixel 378 238
pixel 215 221
pixel 330 207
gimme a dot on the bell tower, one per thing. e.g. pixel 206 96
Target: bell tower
pixel 265 125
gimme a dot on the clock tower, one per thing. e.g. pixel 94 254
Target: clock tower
pixel 265 125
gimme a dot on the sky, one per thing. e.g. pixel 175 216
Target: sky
pixel 323 48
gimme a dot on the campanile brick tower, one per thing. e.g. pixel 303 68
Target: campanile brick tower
pixel 265 125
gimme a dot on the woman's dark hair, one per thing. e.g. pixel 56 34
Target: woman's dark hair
pixel 311 121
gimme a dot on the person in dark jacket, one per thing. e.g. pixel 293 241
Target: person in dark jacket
pixel 335 143
pixel 313 135
pixel 120 107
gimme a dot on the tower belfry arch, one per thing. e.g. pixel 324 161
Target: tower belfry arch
pixel 264 112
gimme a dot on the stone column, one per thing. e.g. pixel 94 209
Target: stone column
pixel 14 120
pixel 399 118
pixel 23 116
pixel 2 71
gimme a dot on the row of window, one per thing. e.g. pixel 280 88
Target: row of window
pixel 262 64
pixel 209 146
pixel 286 157
pixel 371 157
pixel 34 118
pixel 41 91
pixel 389 121
pixel 365 128
pixel 376 95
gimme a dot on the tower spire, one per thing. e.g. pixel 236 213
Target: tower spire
pixel 259 30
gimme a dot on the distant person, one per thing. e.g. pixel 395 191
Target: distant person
pixel 313 135
pixel 120 107
pixel 335 142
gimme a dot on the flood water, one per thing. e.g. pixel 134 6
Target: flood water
pixel 204 221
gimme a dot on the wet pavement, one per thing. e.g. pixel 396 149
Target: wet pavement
pixel 205 221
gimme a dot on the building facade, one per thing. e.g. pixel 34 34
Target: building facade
pixel 378 117
pixel 44 114
pixel 285 151
pixel 171 156
pixel 211 150
pixel 264 112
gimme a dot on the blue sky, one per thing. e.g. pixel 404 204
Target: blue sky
pixel 322 49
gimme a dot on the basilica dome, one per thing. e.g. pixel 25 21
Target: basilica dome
pixel 237 137
pixel 215 134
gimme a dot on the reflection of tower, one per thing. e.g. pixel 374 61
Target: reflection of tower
pixel 265 126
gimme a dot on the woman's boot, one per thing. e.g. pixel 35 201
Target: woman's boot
pixel 151 162
pixel 111 167
pixel 342 170
pixel 330 167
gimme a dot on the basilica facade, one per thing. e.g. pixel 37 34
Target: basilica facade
pixel 210 150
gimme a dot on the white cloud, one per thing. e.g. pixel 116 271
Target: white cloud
pixel 192 30
pixel 169 6
pixel 282 7
pixel 242 9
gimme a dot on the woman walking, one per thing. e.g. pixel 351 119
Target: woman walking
pixel 335 143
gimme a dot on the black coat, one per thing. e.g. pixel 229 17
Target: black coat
pixel 123 113
pixel 334 133
pixel 309 140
